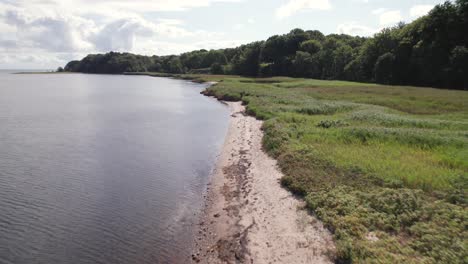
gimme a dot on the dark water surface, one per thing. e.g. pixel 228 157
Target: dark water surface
pixel 103 168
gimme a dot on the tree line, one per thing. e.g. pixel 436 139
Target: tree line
pixel 430 51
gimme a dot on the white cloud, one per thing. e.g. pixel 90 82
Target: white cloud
pixel 5 28
pixel 420 10
pixel 154 5
pixel 355 29
pixel 34 30
pixel 59 32
pixel 293 6
pixel 167 48
pixel 29 61
pixel 390 17
pixel 241 26
pixel 238 27
pixel 218 44
pixel 109 6
pixel 378 11
pixel 121 34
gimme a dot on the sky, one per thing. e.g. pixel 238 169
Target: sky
pixel 45 34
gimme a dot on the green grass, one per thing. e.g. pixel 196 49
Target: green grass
pixel 386 162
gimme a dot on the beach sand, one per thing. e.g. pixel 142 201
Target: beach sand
pixel 249 217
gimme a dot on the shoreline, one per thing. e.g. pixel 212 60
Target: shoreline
pixel 248 216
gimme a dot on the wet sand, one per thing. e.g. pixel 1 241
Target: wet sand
pixel 249 217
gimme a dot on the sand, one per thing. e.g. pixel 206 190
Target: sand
pixel 249 217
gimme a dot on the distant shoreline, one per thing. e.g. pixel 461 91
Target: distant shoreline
pixel 43 72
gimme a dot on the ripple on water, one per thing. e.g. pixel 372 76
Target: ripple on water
pixel 103 169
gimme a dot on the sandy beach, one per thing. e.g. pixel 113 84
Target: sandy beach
pixel 249 217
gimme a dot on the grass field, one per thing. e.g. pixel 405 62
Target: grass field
pixel 384 167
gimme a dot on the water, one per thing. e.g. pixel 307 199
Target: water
pixel 103 168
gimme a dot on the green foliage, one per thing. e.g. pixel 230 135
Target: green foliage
pixel 175 66
pixel 216 68
pixel 384 167
pixel 247 62
pixel 311 46
pixel 459 67
pixel 430 51
pixel 305 64
pixel 384 68
pixel 111 63
pixel 332 123
pixel 392 225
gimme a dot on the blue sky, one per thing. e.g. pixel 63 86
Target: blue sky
pixel 48 33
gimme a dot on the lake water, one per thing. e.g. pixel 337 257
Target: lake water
pixel 103 168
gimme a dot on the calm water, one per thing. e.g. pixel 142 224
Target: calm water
pixel 103 168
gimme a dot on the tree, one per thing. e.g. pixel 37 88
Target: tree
pixel 294 40
pixel 248 63
pixel 274 49
pixel 311 46
pixel 459 67
pixel 384 68
pixel 192 60
pixel 342 56
pixel 216 68
pixel 175 66
pixel 430 51
pixel 315 35
pixel 326 57
pixel 213 56
pixel 353 71
pixel 305 65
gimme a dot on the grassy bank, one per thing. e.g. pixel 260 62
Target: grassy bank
pixel 384 167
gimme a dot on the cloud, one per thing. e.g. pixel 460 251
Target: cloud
pixel 168 48
pixel 153 5
pixel 390 17
pixel 109 6
pixel 378 11
pixel 54 33
pixel 28 61
pixel 355 29
pixel 5 28
pixel 69 29
pixel 420 10
pixel 238 27
pixel 120 35
pixel 294 6
pixel 241 26
pixel 7 44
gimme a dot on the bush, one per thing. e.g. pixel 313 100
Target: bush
pixel 384 68
pixel 332 123
pixel 216 68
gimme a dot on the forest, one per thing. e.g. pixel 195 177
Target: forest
pixel 431 51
